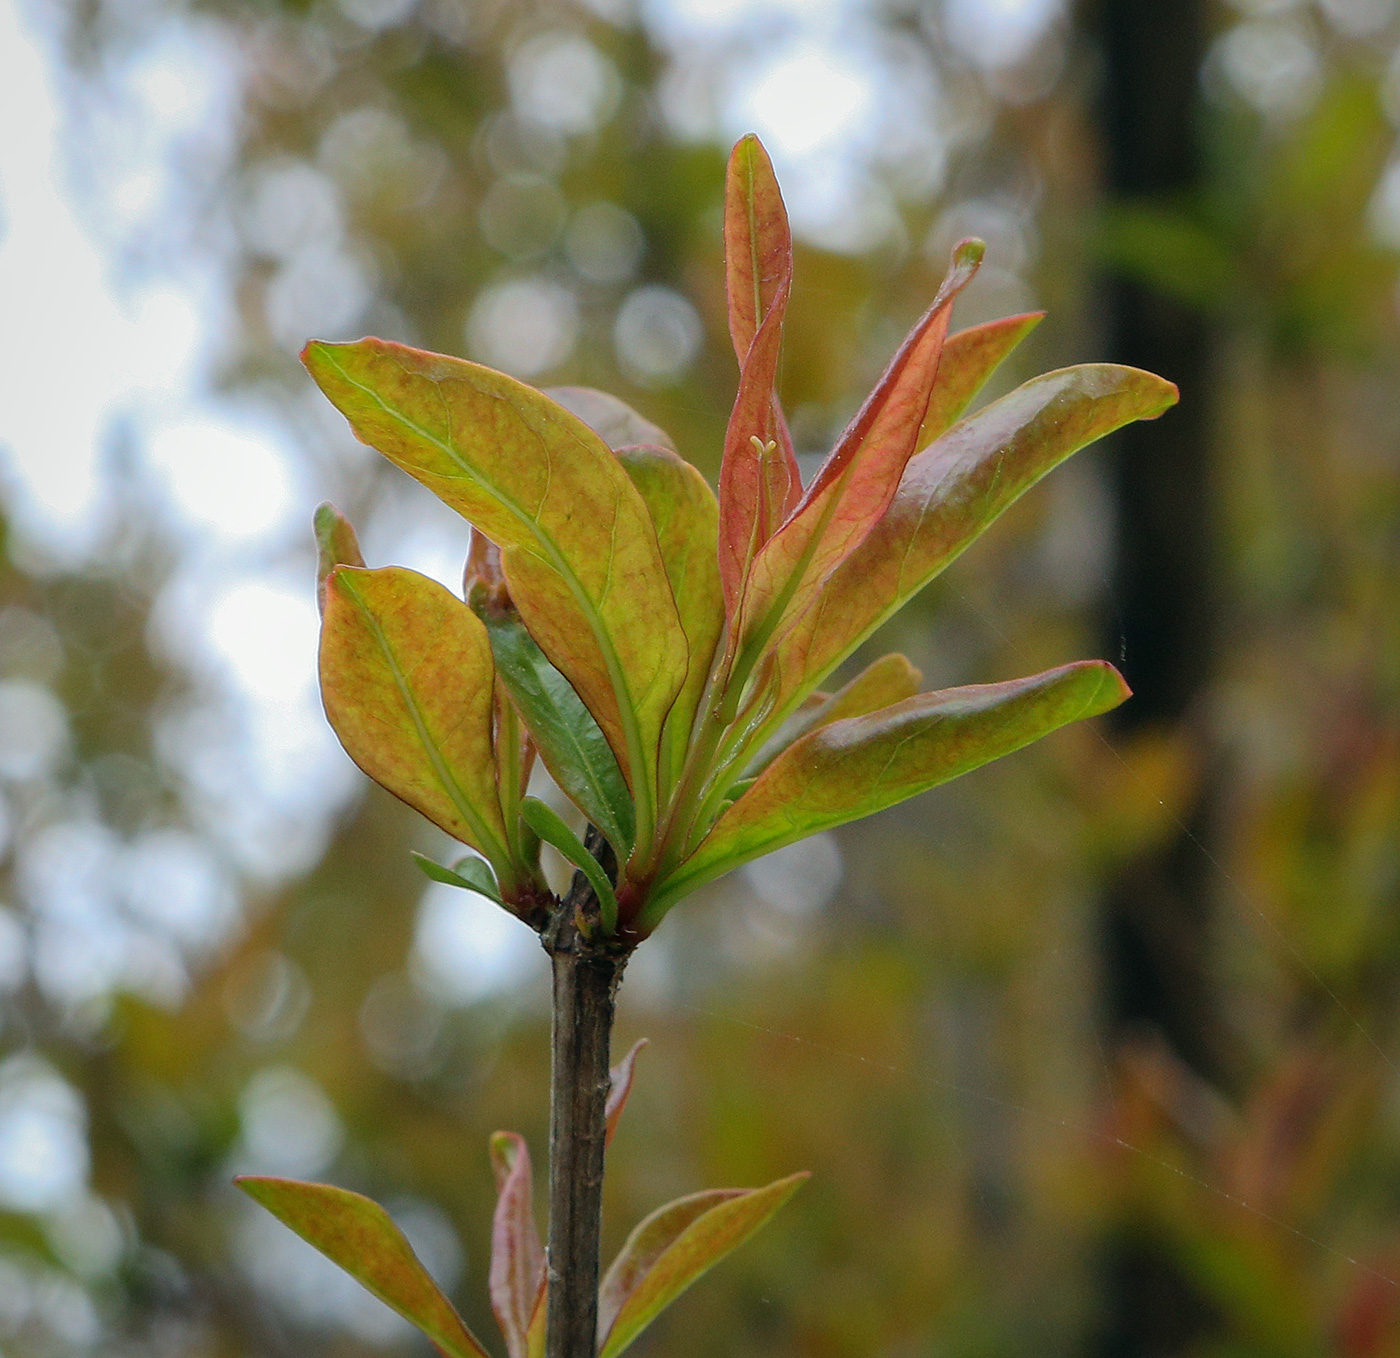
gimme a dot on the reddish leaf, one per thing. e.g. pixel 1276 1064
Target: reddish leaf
pixel 672 1248
pixel 949 493
pixel 760 483
pixel 579 550
pixel 517 1277
pixel 757 242
pixel 859 479
pixel 970 357
pixel 336 545
pixel 686 518
pixel 620 1085
pixel 359 1235
pixel 407 679
pixel 855 767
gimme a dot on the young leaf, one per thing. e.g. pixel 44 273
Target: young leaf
pixel 545 822
pixel 759 482
pixel 857 482
pixel 336 545
pixel 672 1248
pixel 686 518
pixel 614 421
pixel 360 1236
pixel 950 492
pixel 570 742
pixel 853 768
pixel 406 677
pixel 970 357
pixel 620 1085
pixel 883 682
pixel 517 1276
pixel 471 874
pixel 577 542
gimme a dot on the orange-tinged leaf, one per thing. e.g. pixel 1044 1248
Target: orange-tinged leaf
pixel 949 494
pixel 336 545
pixel 855 767
pixel 686 518
pixel 407 679
pixel 517 1276
pixel 760 483
pixel 970 357
pixel 857 482
pixel 360 1236
pixel 672 1248
pixel 613 420
pixel 620 1079
pixel 757 241
pixel 578 547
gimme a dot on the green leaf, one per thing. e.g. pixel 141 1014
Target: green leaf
pixel 577 543
pixel 614 421
pixel 672 1248
pixel 857 482
pixel 545 822
pixel 949 494
pixel 855 767
pixel 883 682
pixel 686 517
pixel 407 678
pixel 1173 252
pixel 359 1235
pixel 969 359
pixel 573 748
pixel 471 874
pixel 620 1079
pixel 517 1276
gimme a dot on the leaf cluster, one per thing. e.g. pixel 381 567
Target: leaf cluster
pixel 660 648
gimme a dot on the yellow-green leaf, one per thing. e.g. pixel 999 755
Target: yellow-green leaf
pixel 672 1248
pixel 406 677
pixel 686 518
pixel 852 768
pixel 360 1236
pixel 579 550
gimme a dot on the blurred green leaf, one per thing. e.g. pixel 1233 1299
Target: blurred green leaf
pixel 1168 249
pixel 612 419
pixel 336 545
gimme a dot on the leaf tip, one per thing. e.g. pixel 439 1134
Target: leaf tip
pixel 968 253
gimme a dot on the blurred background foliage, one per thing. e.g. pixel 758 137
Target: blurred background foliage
pixel 1094 1052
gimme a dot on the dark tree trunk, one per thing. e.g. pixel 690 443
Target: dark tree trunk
pixel 1162 622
